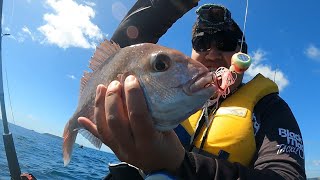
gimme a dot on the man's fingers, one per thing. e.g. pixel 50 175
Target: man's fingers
pixel 140 120
pixel 116 119
pixel 89 125
pixel 102 128
pixel 99 112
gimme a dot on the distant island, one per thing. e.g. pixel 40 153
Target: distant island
pixel 51 135
pixel 60 138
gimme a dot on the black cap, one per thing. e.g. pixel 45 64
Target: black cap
pixel 213 18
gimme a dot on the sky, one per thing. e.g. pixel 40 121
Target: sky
pixel 51 42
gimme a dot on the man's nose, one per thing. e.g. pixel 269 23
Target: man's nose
pixel 213 53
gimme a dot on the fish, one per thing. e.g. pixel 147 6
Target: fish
pixel 174 86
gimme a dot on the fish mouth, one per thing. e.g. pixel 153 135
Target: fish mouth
pixel 198 89
pixel 202 81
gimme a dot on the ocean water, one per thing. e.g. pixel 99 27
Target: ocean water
pixel 41 155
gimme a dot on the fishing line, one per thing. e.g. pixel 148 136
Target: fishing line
pixel 11 17
pixel 12 13
pixel 5 69
pixel 244 25
pixel 9 96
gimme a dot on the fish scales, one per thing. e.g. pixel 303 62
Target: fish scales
pixel 162 73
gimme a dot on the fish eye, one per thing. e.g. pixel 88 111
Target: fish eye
pixel 160 62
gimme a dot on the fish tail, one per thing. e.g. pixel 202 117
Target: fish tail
pixel 69 138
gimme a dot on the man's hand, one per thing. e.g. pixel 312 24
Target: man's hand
pixel 124 124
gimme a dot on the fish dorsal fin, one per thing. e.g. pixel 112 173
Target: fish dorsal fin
pixel 85 78
pixel 102 54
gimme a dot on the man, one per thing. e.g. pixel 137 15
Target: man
pixel 254 134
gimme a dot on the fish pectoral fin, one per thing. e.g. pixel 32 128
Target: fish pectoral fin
pixel 93 139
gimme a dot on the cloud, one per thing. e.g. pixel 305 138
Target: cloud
pixel 258 66
pixel 313 52
pixel 70 25
pixel 6 30
pixel 89 3
pixel 27 31
pixel 71 77
pixel 258 56
pixel 316 162
pixel 22 35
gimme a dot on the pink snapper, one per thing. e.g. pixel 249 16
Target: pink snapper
pixel 174 85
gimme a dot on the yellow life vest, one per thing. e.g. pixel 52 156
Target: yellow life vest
pixel 232 129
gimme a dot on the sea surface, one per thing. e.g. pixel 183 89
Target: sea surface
pixel 41 155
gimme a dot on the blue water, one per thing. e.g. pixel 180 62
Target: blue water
pixel 41 155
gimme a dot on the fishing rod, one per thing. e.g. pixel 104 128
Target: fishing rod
pixel 7 136
pixel 13 164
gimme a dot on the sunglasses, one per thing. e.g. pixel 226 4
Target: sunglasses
pixel 223 41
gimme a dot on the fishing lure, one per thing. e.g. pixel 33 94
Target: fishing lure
pixel 223 77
